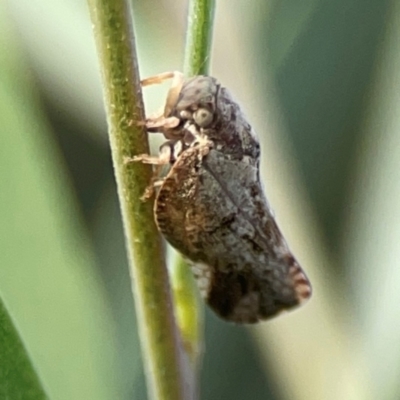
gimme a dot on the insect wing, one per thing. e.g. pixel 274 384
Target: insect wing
pixel 222 224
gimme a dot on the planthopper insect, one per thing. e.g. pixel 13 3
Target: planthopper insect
pixel 211 205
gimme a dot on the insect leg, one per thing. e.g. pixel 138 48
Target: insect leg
pixel 173 93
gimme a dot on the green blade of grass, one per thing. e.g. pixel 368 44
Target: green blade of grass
pixel 18 379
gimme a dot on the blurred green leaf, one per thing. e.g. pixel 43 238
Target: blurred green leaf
pixel 18 380
pixel 322 61
pixel 371 237
pixel 110 247
pixel 47 277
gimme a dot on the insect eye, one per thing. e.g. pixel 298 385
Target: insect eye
pixel 203 117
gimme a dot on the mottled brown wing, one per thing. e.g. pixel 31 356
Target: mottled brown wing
pixel 212 209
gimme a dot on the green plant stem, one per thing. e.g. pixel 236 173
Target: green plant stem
pixel 188 305
pixel 199 37
pixel 189 310
pixel 160 341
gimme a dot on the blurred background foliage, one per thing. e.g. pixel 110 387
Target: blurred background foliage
pixel 319 80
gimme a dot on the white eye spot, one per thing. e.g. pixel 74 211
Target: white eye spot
pixel 203 117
